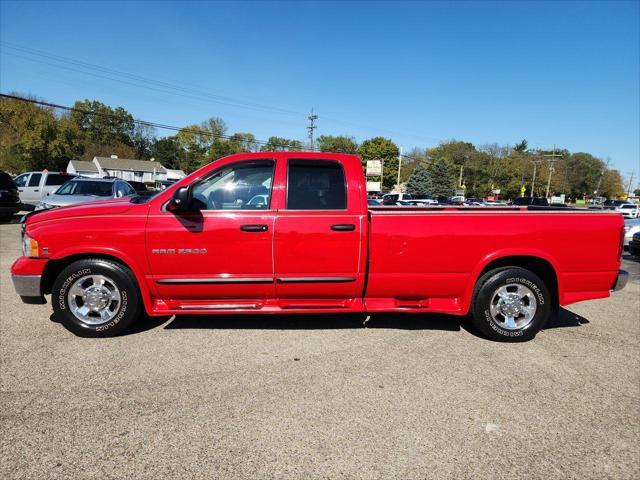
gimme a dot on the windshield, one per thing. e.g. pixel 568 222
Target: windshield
pixel 96 189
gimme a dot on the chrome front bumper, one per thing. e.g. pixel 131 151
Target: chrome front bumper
pixel 621 280
pixel 27 285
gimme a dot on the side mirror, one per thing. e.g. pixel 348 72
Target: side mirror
pixel 181 200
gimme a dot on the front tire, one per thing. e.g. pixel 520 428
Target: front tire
pixel 510 304
pixel 96 298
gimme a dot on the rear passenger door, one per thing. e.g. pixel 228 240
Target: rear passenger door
pixel 317 242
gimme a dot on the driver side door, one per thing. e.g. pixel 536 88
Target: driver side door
pixel 220 252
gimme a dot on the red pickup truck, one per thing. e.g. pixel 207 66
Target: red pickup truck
pixel 291 232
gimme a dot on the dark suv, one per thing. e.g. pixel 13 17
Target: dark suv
pixel 9 198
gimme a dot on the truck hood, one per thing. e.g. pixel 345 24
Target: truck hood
pixel 104 207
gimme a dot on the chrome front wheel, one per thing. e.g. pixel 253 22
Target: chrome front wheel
pixel 94 299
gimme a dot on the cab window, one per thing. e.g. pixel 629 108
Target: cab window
pixel 21 180
pixel 244 186
pixel 316 185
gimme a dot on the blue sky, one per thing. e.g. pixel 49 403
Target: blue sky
pixel 564 73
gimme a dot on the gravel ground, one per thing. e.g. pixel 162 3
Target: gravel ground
pixel 319 396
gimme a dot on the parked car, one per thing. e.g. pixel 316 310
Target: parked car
pixel 34 186
pixel 634 245
pixel 393 198
pixel 631 227
pixel 494 203
pixel 82 190
pixel 9 198
pixel 317 248
pixel 613 204
pixel 628 210
pixel 164 184
pixel 141 188
pixel 372 202
pixel 536 201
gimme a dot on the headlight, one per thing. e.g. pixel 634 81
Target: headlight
pixel 30 247
pixel 43 206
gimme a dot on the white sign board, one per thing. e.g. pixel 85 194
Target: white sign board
pixel 374 168
pixel 559 199
pixel 374 186
pixel 496 191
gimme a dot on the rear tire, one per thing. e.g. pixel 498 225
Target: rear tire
pixel 510 304
pixel 96 298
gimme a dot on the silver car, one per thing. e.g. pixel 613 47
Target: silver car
pixel 631 227
pixel 82 190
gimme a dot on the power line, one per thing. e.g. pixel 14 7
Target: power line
pixel 137 121
pixel 161 86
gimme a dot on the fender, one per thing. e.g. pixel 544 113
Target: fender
pixel 119 255
pixel 503 253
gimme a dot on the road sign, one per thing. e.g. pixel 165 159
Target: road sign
pixel 374 186
pixel 522 190
pixel 374 168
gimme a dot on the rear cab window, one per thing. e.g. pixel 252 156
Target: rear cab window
pixel 57 179
pixel 316 185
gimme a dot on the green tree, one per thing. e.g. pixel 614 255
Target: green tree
pixel 34 138
pixel 420 181
pixel 242 142
pixel 442 179
pixel 612 185
pixel 337 144
pixel 522 146
pixel 583 173
pixel 168 152
pixel 280 144
pixel 101 124
pixel 380 148
pixel 142 137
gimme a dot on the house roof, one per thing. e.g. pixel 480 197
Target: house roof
pixel 80 166
pixel 129 164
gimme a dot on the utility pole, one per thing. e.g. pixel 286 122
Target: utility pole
pixel 630 183
pixel 552 158
pixel 602 172
pixel 312 126
pixel 533 181
pixel 399 165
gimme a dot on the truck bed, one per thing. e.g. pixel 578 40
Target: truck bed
pixel 428 258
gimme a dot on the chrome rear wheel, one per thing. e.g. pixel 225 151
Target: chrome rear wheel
pixel 513 306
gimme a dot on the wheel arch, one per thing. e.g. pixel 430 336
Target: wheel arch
pixel 539 265
pixel 56 265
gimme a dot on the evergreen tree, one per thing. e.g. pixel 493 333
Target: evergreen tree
pixel 419 182
pixel 442 179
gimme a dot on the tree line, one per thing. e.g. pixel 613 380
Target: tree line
pixel 34 137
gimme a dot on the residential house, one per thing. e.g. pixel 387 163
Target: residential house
pixel 125 168
pixel 85 169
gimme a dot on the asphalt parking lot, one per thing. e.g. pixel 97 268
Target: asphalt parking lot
pixel 319 396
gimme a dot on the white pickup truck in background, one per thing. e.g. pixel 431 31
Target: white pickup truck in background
pixel 34 186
